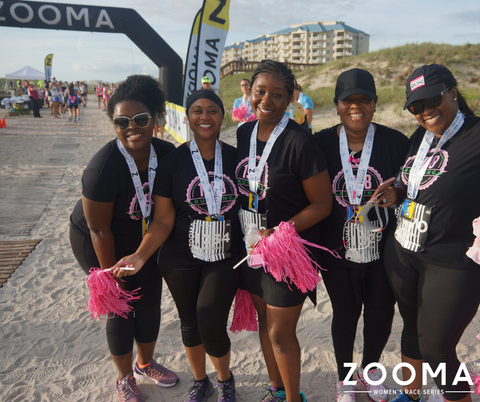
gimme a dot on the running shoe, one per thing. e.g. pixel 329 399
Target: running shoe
pixel 273 395
pixel 160 375
pixel 200 391
pixel 376 393
pixel 402 397
pixel 70 118
pixel 226 390
pixel 345 393
pixel 127 389
pixel 304 399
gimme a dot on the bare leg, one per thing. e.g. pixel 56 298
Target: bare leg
pixel 282 330
pixel 197 358
pixel 415 388
pixel 124 364
pixel 268 355
pixel 145 351
pixel 222 365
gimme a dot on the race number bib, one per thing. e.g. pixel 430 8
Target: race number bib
pixel 248 217
pixel 210 240
pixel 361 245
pixel 412 225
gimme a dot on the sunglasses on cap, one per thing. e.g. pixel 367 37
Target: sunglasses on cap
pixel 141 120
pixel 418 107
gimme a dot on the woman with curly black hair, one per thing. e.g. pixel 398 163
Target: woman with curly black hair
pixel 111 219
pixel 281 176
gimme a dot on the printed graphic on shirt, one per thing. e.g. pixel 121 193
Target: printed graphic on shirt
pixel 134 211
pixel 435 169
pixel 241 173
pixel 339 189
pixel 196 198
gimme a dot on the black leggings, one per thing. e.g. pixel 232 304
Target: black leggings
pixel 436 305
pixel 142 324
pixel 203 297
pixel 378 310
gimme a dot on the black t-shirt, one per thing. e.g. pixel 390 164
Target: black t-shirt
pixel 179 181
pixel 108 179
pixel 294 157
pixel 388 155
pixel 450 186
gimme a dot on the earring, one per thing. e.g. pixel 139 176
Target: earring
pixel 338 114
pixel 455 99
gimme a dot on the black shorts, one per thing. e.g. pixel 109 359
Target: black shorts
pixel 73 106
pixel 277 294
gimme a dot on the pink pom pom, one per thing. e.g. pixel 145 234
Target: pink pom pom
pixel 476 382
pixel 244 314
pixel 285 256
pixel 106 296
pixel 240 112
pixel 252 117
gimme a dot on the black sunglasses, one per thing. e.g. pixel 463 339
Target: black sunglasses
pixel 418 107
pixel 141 120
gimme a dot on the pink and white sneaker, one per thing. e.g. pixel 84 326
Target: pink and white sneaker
pixel 375 393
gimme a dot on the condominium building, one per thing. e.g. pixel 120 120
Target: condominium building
pixel 309 42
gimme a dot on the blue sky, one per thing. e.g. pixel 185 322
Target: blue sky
pixel 112 57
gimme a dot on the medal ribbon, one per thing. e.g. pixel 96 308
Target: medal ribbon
pixel 137 183
pixel 355 185
pixel 421 162
pixel 213 198
pixel 254 173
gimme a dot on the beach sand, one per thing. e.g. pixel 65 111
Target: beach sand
pixel 50 347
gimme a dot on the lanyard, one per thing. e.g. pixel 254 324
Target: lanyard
pixel 213 198
pixel 254 173
pixel 137 183
pixel 356 184
pixel 421 162
pixel 290 111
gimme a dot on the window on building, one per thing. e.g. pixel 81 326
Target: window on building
pixel 328 43
pixel 328 51
pixel 328 59
pixel 328 35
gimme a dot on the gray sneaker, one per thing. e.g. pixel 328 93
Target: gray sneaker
pixel 200 391
pixel 155 372
pixel 127 389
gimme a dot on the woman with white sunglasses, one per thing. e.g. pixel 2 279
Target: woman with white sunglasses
pixel 111 219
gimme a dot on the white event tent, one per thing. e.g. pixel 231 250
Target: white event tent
pixel 26 73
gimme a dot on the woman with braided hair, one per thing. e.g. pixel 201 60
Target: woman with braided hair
pixel 281 176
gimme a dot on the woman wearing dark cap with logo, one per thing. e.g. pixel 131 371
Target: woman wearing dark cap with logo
pixel 110 220
pixel 196 223
pixel 435 283
pixel 361 155
pixel 281 176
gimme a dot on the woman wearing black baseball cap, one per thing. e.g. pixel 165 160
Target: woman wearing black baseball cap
pixel 361 155
pixel 435 283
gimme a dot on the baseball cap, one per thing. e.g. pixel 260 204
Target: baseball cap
pixel 426 82
pixel 355 81
pixel 206 79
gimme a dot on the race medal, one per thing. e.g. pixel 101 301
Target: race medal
pixel 145 224
pixel 210 240
pixel 252 202
pixel 361 245
pixel 248 217
pixel 412 225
